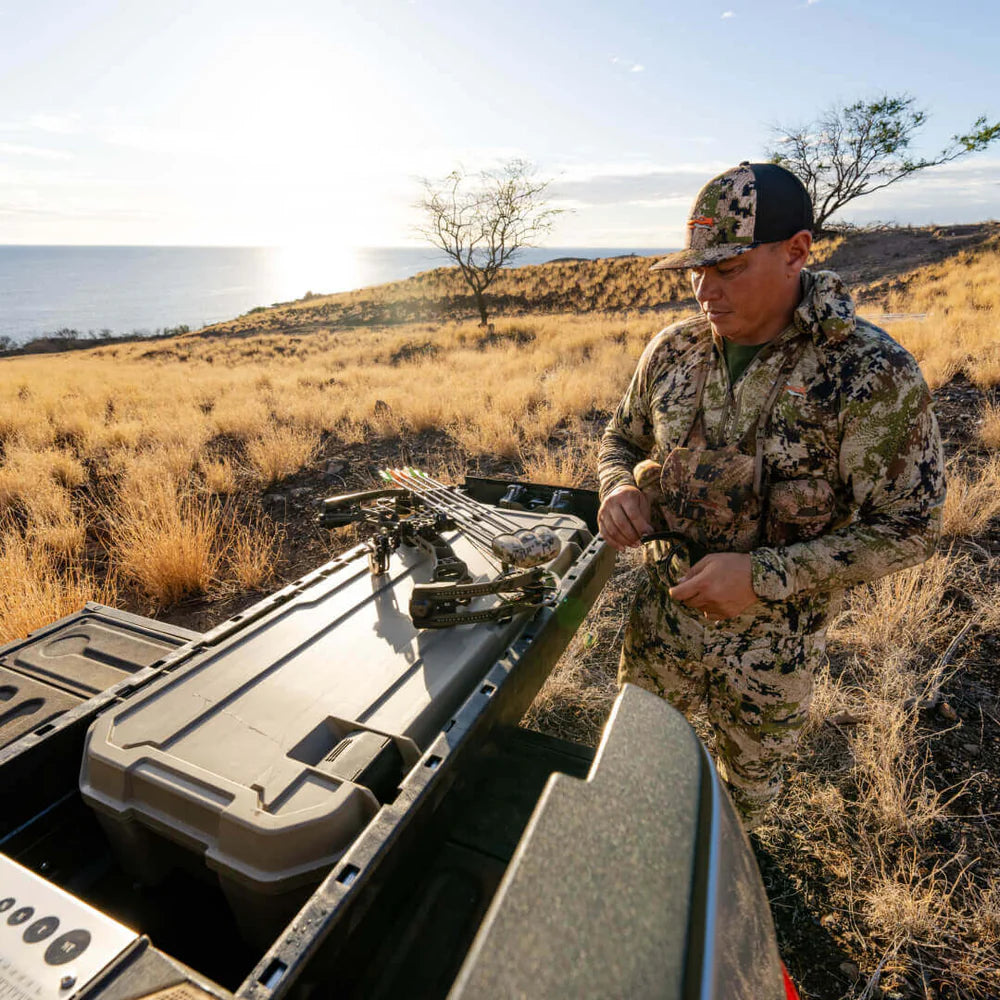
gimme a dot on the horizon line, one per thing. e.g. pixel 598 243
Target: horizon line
pixel 285 246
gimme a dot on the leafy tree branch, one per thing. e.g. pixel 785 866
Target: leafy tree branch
pixel 863 147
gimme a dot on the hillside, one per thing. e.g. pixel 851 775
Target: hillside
pixel 872 260
pixel 179 477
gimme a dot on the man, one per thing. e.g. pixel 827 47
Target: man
pixel 776 449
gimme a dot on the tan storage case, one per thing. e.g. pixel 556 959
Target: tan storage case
pixel 270 750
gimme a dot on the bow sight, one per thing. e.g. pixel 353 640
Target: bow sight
pixel 414 510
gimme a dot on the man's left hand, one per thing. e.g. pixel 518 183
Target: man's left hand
pixel 719 586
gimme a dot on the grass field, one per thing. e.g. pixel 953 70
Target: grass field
pixel 132 474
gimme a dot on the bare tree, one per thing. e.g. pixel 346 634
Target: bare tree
pixel 482 220
pixel 864 147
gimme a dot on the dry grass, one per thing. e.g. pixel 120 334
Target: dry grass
pixel 864 807
pixel 37 479
pixel 166 543
pixel 219 475
pixel 973 498
pixel 989 427
pixel 36 590
pixel 898 614
pixel 886 642
pixel 63 537
pixel 573 465
pixel 240 417
pixel 278 452
pixel 252 552
pixel 960 298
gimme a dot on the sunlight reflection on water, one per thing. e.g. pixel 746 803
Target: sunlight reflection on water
pixel 326 268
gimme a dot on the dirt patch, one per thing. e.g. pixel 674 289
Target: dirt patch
pixel 516 336
pixel 409 352
pixel 868 255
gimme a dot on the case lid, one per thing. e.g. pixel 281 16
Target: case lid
pixel 92 649
pixel 25 705
pixel 233 752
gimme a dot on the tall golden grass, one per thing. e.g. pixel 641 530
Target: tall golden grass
pixel 219 475
pixel 165 544
pixel 277 452
pixel 36 589
pixel 173 542
pixel 959 330
pixel 252 551
pixel 989 427
pixel 973 499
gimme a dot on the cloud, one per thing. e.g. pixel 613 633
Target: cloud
pixel 58 124
pixel 639 185
pixel 15 149
pixel 100 214
pixel 632 66
pixel 727 14
pixel 972 177
pixel 967 191
pixel 671 201
pixel 583 171
pixel 154 139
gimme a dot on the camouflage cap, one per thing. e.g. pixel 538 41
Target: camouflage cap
pixel 746 206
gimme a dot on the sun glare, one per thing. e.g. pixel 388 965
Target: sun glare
pixel 318 266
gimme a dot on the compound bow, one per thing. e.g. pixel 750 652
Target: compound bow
pixel 415 510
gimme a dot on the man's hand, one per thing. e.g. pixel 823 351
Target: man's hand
pixel 719 586
pixel 624 517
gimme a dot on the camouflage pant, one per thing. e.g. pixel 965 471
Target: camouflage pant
pixel 755 690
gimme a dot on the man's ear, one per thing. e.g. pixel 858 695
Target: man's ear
pixel 797 250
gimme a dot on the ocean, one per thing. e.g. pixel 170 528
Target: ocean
pixel 126 289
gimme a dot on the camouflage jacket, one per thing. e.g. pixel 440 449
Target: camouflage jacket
pixel 855 412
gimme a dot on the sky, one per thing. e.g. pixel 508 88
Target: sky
pixel 300 123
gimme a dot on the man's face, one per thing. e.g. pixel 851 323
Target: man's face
pixel 748 299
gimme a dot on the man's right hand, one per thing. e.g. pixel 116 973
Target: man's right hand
pixel 624 517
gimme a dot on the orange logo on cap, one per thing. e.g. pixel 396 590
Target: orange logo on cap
pixel 704 221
